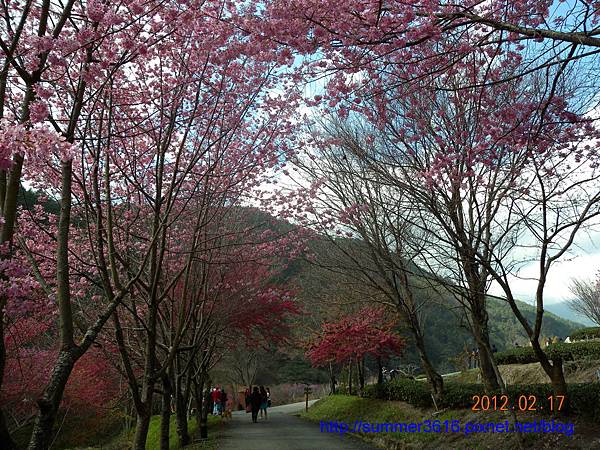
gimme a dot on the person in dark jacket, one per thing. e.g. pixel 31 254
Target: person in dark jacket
pixel 264 399
pixel 247 398
pixel 255 401
pixel 223 399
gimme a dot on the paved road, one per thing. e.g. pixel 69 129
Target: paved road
pixel 282 431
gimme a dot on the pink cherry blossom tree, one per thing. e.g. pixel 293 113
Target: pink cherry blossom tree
pixel 129 132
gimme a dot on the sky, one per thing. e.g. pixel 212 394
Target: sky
pixel 583 262
pixel 583 265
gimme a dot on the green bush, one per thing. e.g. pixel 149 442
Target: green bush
pixel 576 350
pixel 460 395
pixel 417 393
pixel 586 333
pixel 375 391
pixel 519 355
pixel 407 390
pixel 567 352
pixel 583 399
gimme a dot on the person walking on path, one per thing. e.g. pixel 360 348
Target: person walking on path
pixel 264 402
pixel 216 398
pixel 247 399
pixel 223 399
pixel 255 401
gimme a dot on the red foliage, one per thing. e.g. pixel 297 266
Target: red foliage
pixel 94 383
pixel 31 355
pixel 367 332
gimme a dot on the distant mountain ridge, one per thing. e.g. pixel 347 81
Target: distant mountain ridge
pixel 564 311
pixel 444 335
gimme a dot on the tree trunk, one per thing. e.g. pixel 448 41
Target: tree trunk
pixel 143 416
pixel 204 417
pixel 331 380
pixel 435 379
pixel 558 379
pixel 49 403
pixel 360 365
pixel 165 414
pixel 199 402
pixel 181 414
pixel 69 353
pixel 379 371
pixel 142 425
pixel 480 330
pixel 554 371
pixel 350 378
pixel 5 438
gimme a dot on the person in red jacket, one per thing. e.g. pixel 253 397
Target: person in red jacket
pixel 216 398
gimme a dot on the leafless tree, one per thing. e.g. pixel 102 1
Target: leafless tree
pixel 243 363
pixel 587 299
pixel 364 223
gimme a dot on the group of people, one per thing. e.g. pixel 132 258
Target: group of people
pixel 473 357
pixel 218 398
pixel 258 399
pixel 549 341
pixel 555 340
pixel 388 374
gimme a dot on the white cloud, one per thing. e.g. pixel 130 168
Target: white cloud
pixel 583 266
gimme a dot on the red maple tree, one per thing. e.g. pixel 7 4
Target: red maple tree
pixel 370 331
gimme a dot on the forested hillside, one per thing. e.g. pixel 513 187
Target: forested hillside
pixel 323 293
pixel 446 334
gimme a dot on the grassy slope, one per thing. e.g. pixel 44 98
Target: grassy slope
pixel 123 441
pixel 349 409
pixel 575 372
pixel 153 442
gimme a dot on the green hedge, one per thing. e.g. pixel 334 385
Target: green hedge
pixel 416 393
pixel 584 399
pixel 586 333
pixel 567 352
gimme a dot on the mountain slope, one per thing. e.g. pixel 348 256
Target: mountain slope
pixel 563 310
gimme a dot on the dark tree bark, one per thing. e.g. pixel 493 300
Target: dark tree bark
pixel 379 371
pixel 481 333
pixel 204 416
pixel 360 365
pixel 181 397
pixel 5 438
pixel 350 377
pixel 142 425
pixel 435 379
pixel 332 380
pixel 49 403
pixel 165 414
pixel 555 372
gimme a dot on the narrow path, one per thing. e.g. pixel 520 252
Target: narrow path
pixel 282 430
